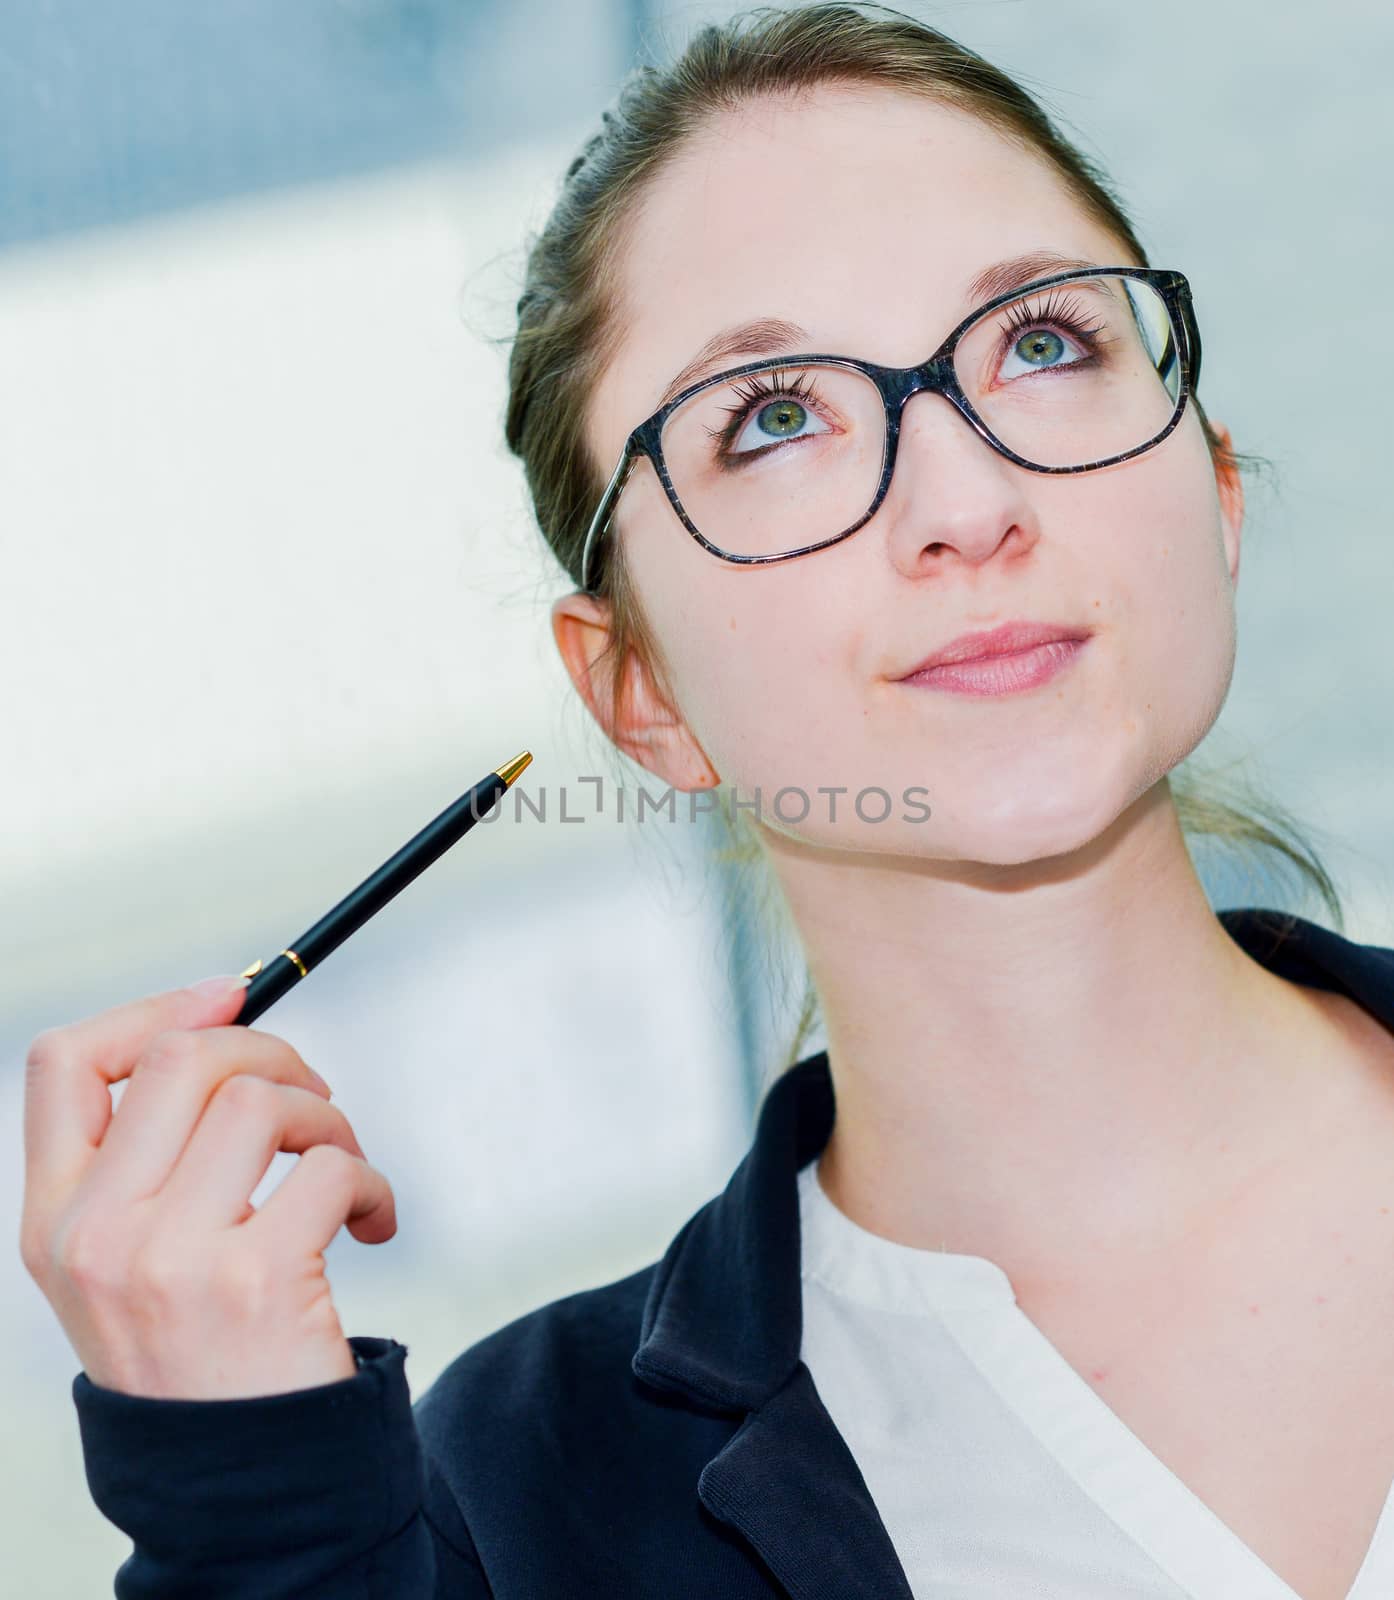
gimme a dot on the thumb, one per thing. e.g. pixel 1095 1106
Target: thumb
pixel 222 988
pixel 219 1000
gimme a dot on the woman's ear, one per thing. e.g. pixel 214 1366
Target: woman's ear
pixel 644 725
pixel 1231 488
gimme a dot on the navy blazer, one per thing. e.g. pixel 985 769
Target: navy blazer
pixel 657 1437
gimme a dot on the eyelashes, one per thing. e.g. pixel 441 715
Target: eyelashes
pixel 762 386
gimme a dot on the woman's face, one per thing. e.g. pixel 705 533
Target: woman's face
pixel 863 215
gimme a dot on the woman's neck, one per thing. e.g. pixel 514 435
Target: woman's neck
pixel 1051 1068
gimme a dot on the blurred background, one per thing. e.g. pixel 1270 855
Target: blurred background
pixel 273 597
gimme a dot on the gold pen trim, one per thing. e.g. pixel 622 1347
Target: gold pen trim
pixel 510 769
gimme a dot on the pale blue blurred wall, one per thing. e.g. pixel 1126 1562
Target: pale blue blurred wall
pixel 108 112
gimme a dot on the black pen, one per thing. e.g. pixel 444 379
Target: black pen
pixel 297 962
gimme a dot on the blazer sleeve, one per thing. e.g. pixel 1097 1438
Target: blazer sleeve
pixel 320 1494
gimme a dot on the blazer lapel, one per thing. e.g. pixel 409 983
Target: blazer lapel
pixel 723 1324
pixel 787 1481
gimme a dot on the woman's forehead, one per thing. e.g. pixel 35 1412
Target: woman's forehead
pixel 858 171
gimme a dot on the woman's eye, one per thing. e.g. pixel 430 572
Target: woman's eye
pixel 781 418
pixel 1039 348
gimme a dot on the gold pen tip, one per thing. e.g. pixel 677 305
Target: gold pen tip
pixel 510 769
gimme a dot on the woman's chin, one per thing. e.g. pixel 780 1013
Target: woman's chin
pixel 1034 816
pixel 999 808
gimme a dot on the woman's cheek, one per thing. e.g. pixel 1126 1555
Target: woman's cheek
pixel 1190 665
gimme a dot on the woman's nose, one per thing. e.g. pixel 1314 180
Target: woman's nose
pixel 952 496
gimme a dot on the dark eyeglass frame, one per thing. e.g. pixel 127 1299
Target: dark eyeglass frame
pixel 896 385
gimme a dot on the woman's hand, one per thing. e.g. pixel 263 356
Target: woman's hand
pixel 138 1224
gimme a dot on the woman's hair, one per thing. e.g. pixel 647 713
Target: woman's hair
pixel 568 330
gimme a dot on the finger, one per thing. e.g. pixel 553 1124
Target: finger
pixel 247 1121
pixel 168 1093
pixel 69 1070
pixel 327 1188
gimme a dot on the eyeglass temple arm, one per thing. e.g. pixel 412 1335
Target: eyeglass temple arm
pixel 603 512
pixel 1192 335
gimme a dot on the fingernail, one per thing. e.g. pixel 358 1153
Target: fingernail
pixel 212 988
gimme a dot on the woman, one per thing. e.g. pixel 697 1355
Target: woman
pixel 1086 1284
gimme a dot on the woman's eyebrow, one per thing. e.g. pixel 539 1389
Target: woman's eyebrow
pixel 1004 276
pixel 764 336
pixel 773 336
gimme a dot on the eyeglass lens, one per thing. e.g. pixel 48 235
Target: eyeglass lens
pixel 1065 376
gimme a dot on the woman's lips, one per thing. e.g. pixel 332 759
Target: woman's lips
pixel 1001 674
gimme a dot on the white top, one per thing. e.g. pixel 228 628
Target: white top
pixel 998 1471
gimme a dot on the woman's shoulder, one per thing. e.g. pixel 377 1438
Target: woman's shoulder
pixel 574 1350
pixel 544 1425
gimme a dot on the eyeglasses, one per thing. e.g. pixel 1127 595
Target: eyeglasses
pixel 778 458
